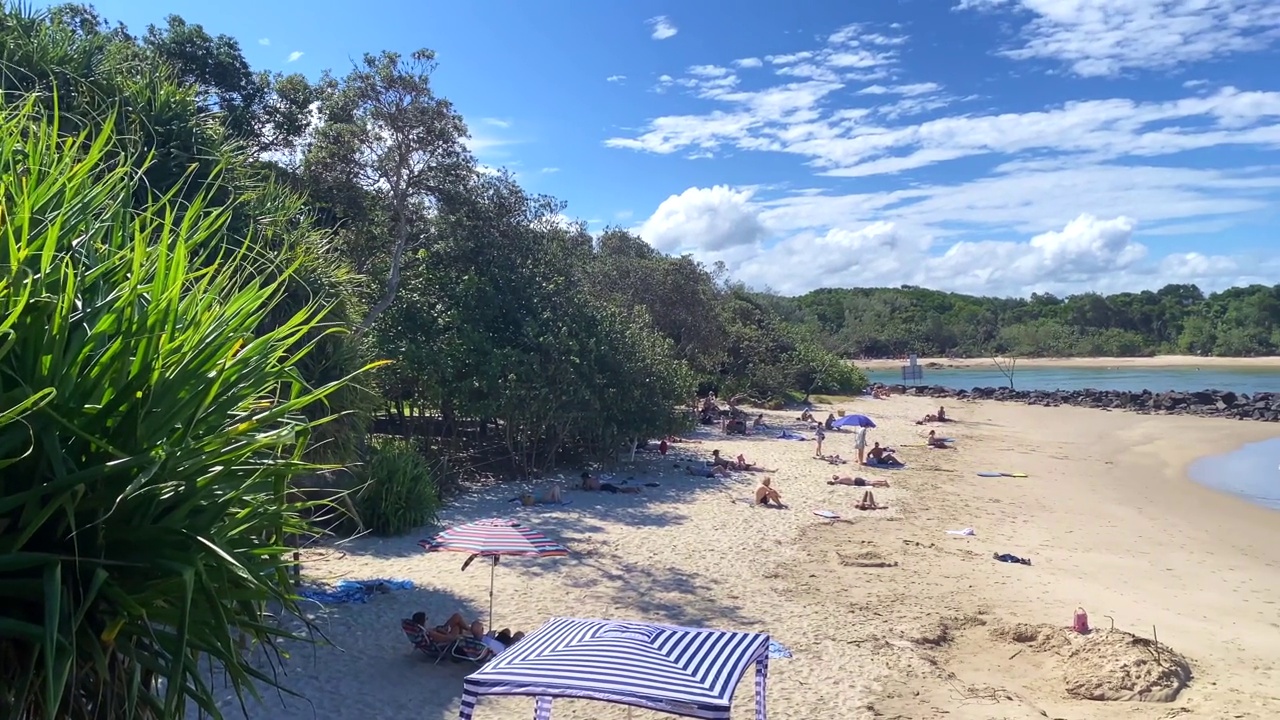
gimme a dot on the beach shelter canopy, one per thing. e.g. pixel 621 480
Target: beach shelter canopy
pixel 854 420
pixel 683 671
pixel 493 538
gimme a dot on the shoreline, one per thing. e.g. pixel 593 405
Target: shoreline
pixel 885 613
pixel 1154 362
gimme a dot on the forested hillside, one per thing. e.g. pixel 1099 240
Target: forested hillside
pixel 891 322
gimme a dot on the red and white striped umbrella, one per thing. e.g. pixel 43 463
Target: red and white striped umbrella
pixel 494 538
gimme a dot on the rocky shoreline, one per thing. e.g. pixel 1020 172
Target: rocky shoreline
pixel 1262 407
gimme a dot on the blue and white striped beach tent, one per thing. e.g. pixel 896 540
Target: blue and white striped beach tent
pixel 684 671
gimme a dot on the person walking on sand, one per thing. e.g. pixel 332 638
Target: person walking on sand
pixel 860 444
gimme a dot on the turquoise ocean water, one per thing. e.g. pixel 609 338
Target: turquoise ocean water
pixel 1252 472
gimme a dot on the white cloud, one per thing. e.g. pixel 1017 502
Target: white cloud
pixel 662 27
pixel 550 170
pixel 1086 252
pixel 615 78
pixel 294 56
pixel 264 41
pixel 789 119
pixel 1107 37
pixel 748 62
pixel 496 122
pixel 1077 195
pixel 710 219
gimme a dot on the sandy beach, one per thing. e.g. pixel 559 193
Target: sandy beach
pixel 1157 361
pixel 886 614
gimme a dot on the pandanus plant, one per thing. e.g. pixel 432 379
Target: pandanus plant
pixel 150 426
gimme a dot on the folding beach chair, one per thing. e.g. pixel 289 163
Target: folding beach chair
pixel 469 649
pixel 422 642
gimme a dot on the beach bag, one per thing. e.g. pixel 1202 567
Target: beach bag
pixel 1081 621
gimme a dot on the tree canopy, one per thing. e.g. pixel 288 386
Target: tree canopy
pixel 1178 318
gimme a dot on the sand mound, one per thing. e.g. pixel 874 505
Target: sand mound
pixel 1041 638
pixel 1116 665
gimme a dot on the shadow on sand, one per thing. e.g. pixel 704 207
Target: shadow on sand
pixel 364 640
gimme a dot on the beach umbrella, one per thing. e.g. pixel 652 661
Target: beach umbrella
pixel 854 420
pixel 494 538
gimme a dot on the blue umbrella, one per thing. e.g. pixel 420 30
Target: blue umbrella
pixel 854 421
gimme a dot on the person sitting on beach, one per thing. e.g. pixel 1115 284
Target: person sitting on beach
pixel 719 461
pixel 940 416
pixel 706 470
pixel 830 422
pixel 758 423
pixel 592 483
pixel 936 442
pixel 765 494
pixel 868 502
pixel 857 481
pixel 882 456
pixel 807 416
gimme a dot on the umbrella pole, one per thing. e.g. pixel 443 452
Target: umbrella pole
pixel 492 567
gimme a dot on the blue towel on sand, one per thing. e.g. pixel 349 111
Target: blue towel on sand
pixel 353 591
pixel 777 650
pixel 791 436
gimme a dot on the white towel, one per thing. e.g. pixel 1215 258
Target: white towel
pixel 966 531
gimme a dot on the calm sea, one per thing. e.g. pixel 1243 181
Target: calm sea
pixel 1252 472
pixel 1249 380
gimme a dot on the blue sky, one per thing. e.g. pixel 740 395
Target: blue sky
pixel 989 146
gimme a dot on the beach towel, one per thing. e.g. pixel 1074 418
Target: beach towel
pixel 1013 475
pixel 562 503
pixel 791 436
pixel 778 651
pixel 874 464
pixel 353 591
pixel 987 473
pixel 828 514
pixel 968 532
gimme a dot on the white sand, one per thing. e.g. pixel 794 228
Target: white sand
pixel 1107 517
pixel 1157 361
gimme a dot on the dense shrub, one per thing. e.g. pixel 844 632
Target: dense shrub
pixel 398 492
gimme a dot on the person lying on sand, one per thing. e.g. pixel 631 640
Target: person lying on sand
pixel 592 483
pixel 550 496
pixel 765 494
pixel 672 440
pixel 868 502
pixel 857 481
pixel 936 442
pixel 706 471
pixel 834 459
pixel 882 456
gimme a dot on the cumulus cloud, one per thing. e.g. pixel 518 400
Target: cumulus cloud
pixel 1106 37
pixel 264 41
pixel 765 243
pixel 294 56
pixel 615 78
pixel 703 219
pixel 662 27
